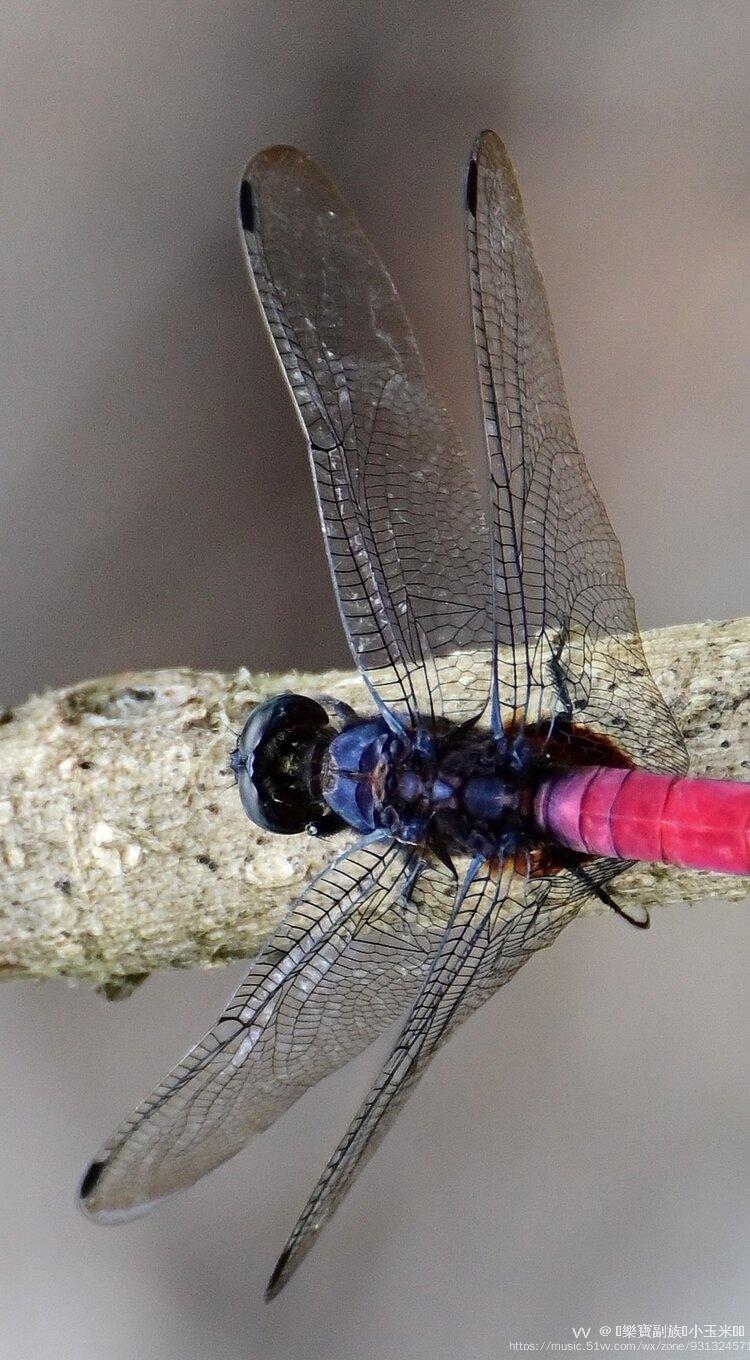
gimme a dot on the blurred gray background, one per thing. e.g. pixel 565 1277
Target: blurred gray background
pixel 579 1155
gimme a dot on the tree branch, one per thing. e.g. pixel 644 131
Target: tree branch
pixel 124 848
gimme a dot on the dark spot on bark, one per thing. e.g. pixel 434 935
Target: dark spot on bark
pixel 102 703
pixel 6 716
pixel 209 863
pixel 119 989
pixel 63 886
pixel 724 744
pixel 85 765
pixel 203 723
pixel 77 703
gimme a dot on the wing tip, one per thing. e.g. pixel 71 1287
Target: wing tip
pixel 489 153
pixel 271 158
pixel 298 1245
pixel 491 149
pixel 277 1280
pixel 488 141
pixel 102 1212
pixel 285 1267
pixel 267 161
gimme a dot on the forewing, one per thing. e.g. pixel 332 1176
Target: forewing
pixel 496 924
pixel 404 528
pixel 566 627
pixel 344 964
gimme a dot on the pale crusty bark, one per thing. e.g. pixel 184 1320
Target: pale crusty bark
pixel 123 847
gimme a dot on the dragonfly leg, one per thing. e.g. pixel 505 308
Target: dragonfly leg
pixel 559 678
pixel 563 705
pixel 402 903
pixel 637 917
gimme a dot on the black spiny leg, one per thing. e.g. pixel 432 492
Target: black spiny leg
pixel 403 900
pixel 559 678
pixel 641 922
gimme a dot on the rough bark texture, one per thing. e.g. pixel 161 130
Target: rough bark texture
pixel 124 848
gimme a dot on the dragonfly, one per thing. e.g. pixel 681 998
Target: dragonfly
pixel 513 753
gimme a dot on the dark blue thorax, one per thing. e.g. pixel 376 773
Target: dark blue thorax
pixel 452 790
pixel 355 772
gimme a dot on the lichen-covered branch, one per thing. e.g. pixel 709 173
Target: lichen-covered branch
pixel 124 848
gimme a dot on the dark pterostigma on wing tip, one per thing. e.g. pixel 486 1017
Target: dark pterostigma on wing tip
pixel 246 206
pixel 89 1182
pixel 471 185
pixel 101 1213
pixel 279 1276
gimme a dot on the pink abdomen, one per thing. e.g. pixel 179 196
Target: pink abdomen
pixel 634 814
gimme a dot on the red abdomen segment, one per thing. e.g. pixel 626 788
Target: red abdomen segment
pixel 634 814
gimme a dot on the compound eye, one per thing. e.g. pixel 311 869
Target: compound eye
pixel 252 803
pixel 276 763
pixel 282 710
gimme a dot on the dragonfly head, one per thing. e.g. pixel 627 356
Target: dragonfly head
pixel 276 764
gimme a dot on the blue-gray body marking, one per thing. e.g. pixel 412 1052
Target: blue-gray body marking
pixel 455 788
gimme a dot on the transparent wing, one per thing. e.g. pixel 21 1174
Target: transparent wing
pixel 566 627
pixel 347 961
pixel 497 922
pixel 404 528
